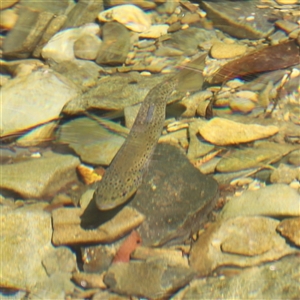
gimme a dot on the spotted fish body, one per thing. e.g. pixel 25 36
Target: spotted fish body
pixel 125 173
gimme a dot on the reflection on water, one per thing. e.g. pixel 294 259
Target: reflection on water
pixel 88 90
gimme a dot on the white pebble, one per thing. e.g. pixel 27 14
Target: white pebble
pixel 129 15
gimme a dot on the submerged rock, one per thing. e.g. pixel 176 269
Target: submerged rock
pixel 240 241
pixel 61 46
pixel 289 228
pixel 35 99
pixel 114 93
pixel 92 142
pixel 129 15
pixel 34 17
pixel 272 280
pixel 275 200
pixel 154 278
pixel 40 177
pixel 175 198
pixel 233 132
pixel 241 19
pixel 115 46
pixel 24 231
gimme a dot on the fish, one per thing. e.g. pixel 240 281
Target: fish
pixel 124 175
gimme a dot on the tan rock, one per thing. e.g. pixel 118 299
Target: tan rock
pixel 7 3
pixel 65 40
pixel 67 229
pixel 189 18
pixel 87 47
pixel 242 159
pixel 249 237
pixel 28 101
pixel 248 95
pixel 285 174
pixel 24 231
pixel 38 135
pixel 241 105
pixel 40 177
pixel 129 15
pixel 223 132
pixel 286 2
pixel 240 241
pixel 151 279
pixel 290 228
pixel 223 50
pixel 172 255
pixel 8 19
pixel 155 31
pixel 275 200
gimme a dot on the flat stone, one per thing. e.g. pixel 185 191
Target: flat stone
pixel 57 286
pixel 286 2
pixel 34 17
pixel 249 236
pixel 40 177
pixel 285 174
pixel 35 99
pixel 234 132
pixel 37 135
pixel 67 229
pixel 251 249
pixel 91 141
pixel 168 51
pixel 289 228
pixel 247 159
pixel 276 200
pixel 24 231
pixel 84 74
pixel 226 178
pixel 275 280
pixel 60 259
pixel 58 9
pixel 232 18
pixel 223 50
pixel 156 278
pixel 286 26
pixel 114 93
pixel 115 45
pixel 188 40
pixel 175 199
pixel 83 12
pixel 173 255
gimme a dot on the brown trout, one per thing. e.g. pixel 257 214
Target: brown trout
pixel 125 173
